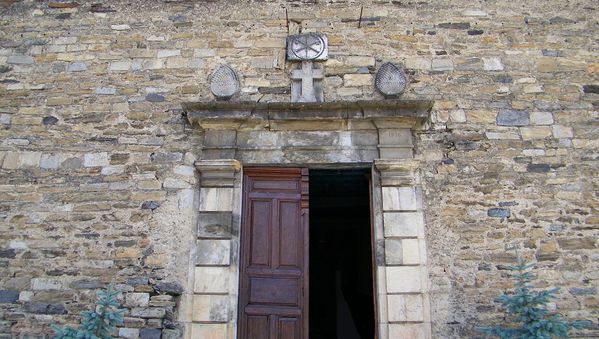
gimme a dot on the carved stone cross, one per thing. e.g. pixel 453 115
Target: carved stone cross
pixel 307 83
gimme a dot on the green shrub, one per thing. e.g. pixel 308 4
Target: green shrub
pixel 527 306
pixel 98 324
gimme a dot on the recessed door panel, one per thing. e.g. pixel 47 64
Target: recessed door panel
pixel 260 215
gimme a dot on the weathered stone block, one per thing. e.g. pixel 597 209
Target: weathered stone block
pixel 216 199
pixel 155 97
pixel 541 118
pixel 166 53
pixel 577 243
pixel 105 90
pixel 590 88
pixel 211 331
pixel 538 168
pixel 165 157
pixel 148 312
pixel 418 63
pixel 510 117
pixel 215 224
pixel 96 159
pixel 393 252
pixel 492 64
pixel 20 60
pixel 583 291
pixel 7 296
pixel 77 67
pixel 499 212
pixel 211 308
pixel 560 132
pixel 170 288
pixel 355 80
pixel 403 224
pixel 172 183
pixel 411 252
pixel 86 284
pixel 11 160
pixel 531 133
pixel 211 280
pixel 360 61
pixel 213 252
pixel 404 279
pixel 129 333
pixel 137 299
pixel 442 64
pixel 150 333
pixel 509 135
pixel 121 27
pixel 220 138
pixel 50 161
pixel 412 331
pixel 47 284
pixel 400 199
pixel 405 307
pixel 120 66
pixel 29 159
pixel 396 137
pixel 44 308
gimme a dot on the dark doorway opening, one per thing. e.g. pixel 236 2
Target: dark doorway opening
pixel 341 284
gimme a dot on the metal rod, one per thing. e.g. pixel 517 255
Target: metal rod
pixel 287 20
pixel 360 20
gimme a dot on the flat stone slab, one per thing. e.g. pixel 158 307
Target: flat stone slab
pixel 254 115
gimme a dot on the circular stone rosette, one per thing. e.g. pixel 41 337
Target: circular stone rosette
pixel 391 80
pixel 308 46
pixel 224 82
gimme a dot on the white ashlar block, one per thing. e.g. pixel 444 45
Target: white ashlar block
pixel 409 331
pixel 404 279
pixel 213 308
pixel 410 251
pixel 211 280
pixel 209 331
pixel 403 224
pixel 216 199
pixel 400 199
pixel 213 252
pixel 405 307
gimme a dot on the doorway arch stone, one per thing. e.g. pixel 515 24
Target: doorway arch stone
pixel 335 134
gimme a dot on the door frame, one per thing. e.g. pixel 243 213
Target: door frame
pixel 273 170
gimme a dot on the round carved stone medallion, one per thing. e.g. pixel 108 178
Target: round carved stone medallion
pixel 307 46
pixel 224 82
pixel 391 80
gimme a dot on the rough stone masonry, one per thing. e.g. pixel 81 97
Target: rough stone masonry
pixel 97 176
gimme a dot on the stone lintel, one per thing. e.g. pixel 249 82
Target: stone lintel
pixel 217 173
pixel 257 115
pixel 397 173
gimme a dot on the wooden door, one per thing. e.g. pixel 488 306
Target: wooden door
pixel 274 254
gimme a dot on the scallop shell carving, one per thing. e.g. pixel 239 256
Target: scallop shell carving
pixel 224 82
pixel 391 80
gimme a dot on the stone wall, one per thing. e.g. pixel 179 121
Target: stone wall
pixel 97 160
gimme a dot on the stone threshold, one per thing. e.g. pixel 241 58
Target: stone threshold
pixel 327 115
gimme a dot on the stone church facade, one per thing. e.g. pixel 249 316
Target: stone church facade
pixel 118 160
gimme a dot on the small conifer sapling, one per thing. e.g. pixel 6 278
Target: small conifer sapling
pixel 529 309
pixel 98 324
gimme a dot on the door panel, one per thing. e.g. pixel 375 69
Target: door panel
pixel 260 230
pixel 274 249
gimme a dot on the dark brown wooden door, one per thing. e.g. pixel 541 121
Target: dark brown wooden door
pixel 274 254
